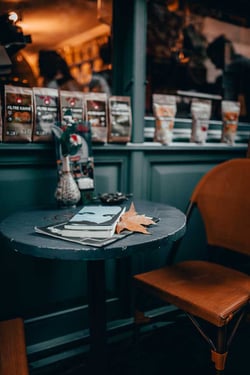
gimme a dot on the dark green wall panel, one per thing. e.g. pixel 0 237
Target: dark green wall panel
pixel 24 187
pixel 173 183
pixel 52 295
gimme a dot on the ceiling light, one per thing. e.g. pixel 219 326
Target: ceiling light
pixel 13 16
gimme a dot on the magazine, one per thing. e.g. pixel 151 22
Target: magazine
pixel 57 231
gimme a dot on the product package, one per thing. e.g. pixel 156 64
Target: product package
pixel 18 114
pixel 82 162
pixel 46 113
pixel 164 109
pixel 120 119
pixel 74 101
pixel 96 115
pixel 230 111
pixel 201 113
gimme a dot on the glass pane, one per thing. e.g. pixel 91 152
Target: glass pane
pixel 181 58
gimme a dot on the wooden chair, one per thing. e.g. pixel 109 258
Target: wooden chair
pixel 214 296
pixel 13 358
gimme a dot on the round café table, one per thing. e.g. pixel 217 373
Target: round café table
pixel 18 231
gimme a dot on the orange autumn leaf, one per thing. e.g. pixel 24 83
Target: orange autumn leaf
pixel 133 222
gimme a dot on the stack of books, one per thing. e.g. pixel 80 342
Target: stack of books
pixel 92 225
pixel 94 221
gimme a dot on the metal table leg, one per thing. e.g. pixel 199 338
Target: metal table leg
pixel 97 315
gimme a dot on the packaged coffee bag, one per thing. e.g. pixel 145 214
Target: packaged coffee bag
pixel 96 115
pixel 18 114
pixel 46 113
pixel 164 109
pixel 230 117
pixel 73 101
pixel 120 119
pixel 201 113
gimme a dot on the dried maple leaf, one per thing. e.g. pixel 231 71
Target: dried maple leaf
pixel 133 222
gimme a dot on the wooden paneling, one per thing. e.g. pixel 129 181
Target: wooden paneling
pixel 51 295
pixel 175 182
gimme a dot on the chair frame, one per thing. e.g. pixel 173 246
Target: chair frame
pixel 13 353
pixel 219 345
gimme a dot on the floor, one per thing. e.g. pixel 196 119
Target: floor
pixel 173 349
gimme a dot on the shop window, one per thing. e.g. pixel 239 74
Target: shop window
pixel 178 36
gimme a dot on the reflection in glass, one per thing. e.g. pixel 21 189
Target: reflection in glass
pixel 178 35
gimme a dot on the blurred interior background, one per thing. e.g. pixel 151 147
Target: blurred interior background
pixel 178 32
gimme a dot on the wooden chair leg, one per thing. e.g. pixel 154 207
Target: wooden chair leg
pixel 139 320
pixel 219 360
pixel 219 356
pixel 13 357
